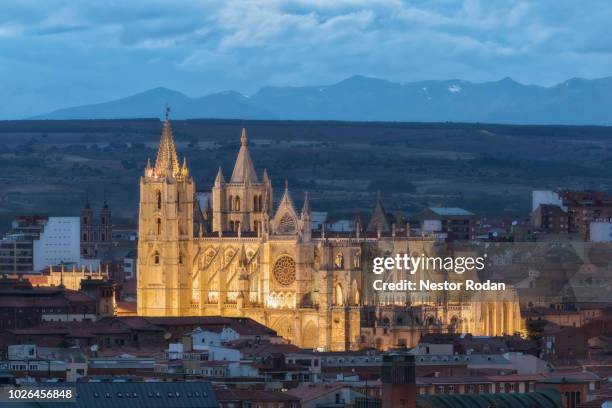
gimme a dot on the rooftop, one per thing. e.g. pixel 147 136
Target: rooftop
pixel 451 211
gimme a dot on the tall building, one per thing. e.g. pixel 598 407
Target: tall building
pixel 36 242
pixel 58 243
pixel 244 255
pixel 17 246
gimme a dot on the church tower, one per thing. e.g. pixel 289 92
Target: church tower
pixel 238 204
pixel 87 231
pixel 106 224
pixel 165 232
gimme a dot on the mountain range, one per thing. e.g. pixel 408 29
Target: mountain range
pixel 576 101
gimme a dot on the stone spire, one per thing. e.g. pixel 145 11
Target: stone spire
pixel 219 179
pixel 167 163
pixel 306 206
pixel 286 199
pixel 306 220
pixel 244 171
pixel 357 222
pixel 184 169
pixel 378 221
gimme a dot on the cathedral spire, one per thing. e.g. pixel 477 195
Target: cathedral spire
pixel 378 221
pixel 184 169
pixel 219 179
pixel 243 138
pixel 244 171
pixel 166 163
pixel 286 199
pixel 306 206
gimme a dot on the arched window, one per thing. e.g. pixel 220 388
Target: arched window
pixel 159 226
pixel 156 258
pixel 180 258
pixel 260 204
pixel 231 203
pixel 232 225
pixel 338 296
pixel 255 202
pixel 237 204
pixel 159 200
pixel 85 220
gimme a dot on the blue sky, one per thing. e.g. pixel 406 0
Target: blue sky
pixel 57 53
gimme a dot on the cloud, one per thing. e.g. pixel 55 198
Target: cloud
pixel 60 52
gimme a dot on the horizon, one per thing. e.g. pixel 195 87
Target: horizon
pixel 249 95
pixel 61 54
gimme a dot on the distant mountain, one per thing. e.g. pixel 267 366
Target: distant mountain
pixel 359 98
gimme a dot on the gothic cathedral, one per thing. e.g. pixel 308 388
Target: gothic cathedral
pixel 240 255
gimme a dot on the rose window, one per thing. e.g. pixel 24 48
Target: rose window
pixel 284 270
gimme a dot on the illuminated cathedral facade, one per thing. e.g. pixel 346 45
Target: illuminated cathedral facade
pixel 242 254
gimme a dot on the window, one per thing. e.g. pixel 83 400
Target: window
pixel 156 258
pixel 237 204
pixel 159 226
pixel 159 200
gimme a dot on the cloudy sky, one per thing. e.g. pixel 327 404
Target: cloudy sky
pixel 57 53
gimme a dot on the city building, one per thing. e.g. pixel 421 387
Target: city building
pixel 550 218
pixel 585 207
pixel 28 360
pixel 58 243
pixel 36 242
pixel 456 223
pixel 246 256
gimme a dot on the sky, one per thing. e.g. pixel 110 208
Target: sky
pixel 56 53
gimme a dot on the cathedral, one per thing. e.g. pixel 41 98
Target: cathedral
pixel 242 254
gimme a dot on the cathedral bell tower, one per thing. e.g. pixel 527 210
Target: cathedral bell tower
pixel 165 232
